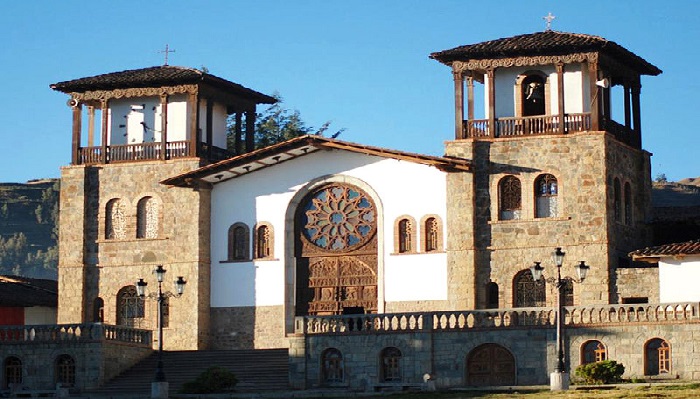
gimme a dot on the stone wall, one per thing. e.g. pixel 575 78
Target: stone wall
pixel 92 266
pixel 483 249
pixel 250 327
pixel 442 348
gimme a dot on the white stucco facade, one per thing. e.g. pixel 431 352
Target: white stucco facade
pixel 269 195
pixel 678 279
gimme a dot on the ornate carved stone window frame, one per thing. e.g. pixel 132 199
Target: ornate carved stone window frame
pixel 411 246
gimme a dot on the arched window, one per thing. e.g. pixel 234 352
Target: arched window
pixel 528 293
pixel 491 295
pixel 238 242
pixel 567 292
pixel 617 200
pixel 509 194
pixel 404 231
pixel 593 351
pixel 332 366
pixel 264 241
pixel 13 372
pixel 65 370
pixel 628 204
pixel 390 360
pixel 431 234
pixel 657 357
pixel 131 308
pixel 546 194
pixel 147 218
pixel 115 220
pixel 533 95
pixel 98 310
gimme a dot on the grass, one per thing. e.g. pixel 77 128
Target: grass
pixel 644 391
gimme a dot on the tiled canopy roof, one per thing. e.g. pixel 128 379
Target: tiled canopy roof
pixel 16 291
pixel 298 147
pixel 545 43
pixel 668 250
pixel 155 77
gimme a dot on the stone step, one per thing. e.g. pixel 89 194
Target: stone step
pixel 256 370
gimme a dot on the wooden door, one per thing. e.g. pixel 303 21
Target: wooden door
pixel 336 250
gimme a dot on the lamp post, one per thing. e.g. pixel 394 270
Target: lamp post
pixel 559 379
pixel 159 386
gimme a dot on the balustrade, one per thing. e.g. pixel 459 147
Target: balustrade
pixel 497 319
pixel 142 152
pixel 528 125
pixel 73 333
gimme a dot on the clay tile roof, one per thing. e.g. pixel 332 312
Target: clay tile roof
pixel 155 77
pixel 668 250
pixel 16 291
pixel 297 147
pixel 545 43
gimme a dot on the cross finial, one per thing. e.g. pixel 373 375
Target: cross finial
pixel 166 51
pixel 549 17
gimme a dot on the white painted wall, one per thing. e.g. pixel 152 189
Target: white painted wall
pixel 39 315
pixel 125 115
pixel 678 279
pixel 402 187
pixel 505 89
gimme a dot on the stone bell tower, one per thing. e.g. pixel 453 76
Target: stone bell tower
pixel 117 222
pixel 555 165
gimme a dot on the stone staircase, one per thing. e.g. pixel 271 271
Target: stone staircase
pixel 256 370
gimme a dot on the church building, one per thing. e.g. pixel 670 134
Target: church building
pixel 297 244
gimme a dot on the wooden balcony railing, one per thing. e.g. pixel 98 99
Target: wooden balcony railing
pixel 499 319
pixel 146 152
pixel 528 125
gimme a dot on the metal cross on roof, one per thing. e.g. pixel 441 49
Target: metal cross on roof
pixel 166 51
pixel 549 17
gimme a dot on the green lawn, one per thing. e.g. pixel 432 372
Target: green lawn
pixel 667 391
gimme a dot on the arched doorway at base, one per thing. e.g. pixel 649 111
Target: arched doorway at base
pixel 490 365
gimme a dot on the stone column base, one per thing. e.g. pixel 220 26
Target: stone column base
pixel 559 381
pixel 159 390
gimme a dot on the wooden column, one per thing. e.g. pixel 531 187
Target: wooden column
pixel 560 96
pixel 77 125
pixel 250 130
pixel 490 75
pixel 209 127
pixel 636 108
pixel 91 125
pixel 628 111
pixel 194 123
pixel 238 138
pixel 163 126
pixel 105 130
pixel 459 104
pixel 470 98
pixel 594 93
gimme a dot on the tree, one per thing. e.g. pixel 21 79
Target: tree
pixel 277 124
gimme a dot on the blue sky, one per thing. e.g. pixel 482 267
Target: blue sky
pixel 361 64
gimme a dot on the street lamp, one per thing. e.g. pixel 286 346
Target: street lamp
pixel 159 387
pixel 559 380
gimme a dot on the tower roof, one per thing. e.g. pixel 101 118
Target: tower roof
pixel 543 44
pixel 155 77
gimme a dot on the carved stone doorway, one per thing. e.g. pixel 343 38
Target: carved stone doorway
pixel 336 252
pixel 490 365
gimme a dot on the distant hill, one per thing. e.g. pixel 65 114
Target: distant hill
pixel 28 228
pixel 676 216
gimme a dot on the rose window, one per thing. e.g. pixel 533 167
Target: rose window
pixel 338 218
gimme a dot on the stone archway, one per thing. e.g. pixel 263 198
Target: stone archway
pixel 490 365
pixel 336 251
